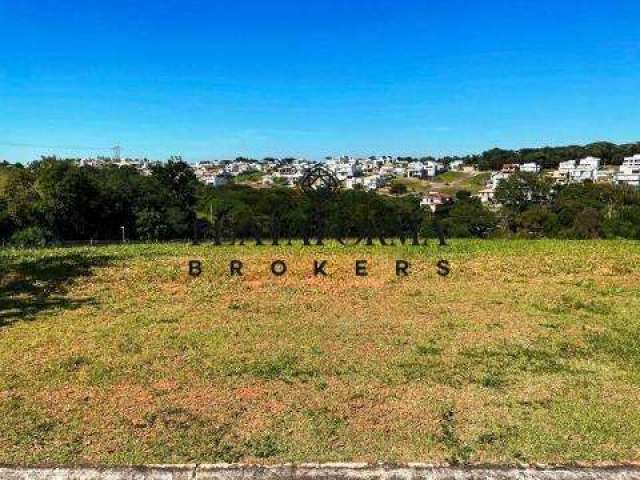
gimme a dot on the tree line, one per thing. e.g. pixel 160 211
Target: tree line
pixel 546 157
pixel 550 157
pixel 54 201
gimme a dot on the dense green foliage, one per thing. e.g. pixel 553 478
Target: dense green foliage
pixel 283 213
pixel 550 157
pixel 53 201
pixel 532 207
pixel 546 157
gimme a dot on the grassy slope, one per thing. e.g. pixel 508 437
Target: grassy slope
pixel 476 183
pixel 449 182
pixel 449 176
pixel 528 351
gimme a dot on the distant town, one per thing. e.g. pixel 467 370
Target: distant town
pixel 381 173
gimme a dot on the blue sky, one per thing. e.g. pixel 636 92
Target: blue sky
pixel 216 79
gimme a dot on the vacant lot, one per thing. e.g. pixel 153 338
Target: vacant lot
pixel 449 182
pixel 527 351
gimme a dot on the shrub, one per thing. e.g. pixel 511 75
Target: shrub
pixel 398 188
pixel 29 237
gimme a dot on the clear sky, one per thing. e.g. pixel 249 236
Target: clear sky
pixel 221 78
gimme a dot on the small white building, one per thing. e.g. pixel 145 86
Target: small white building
pixel 487 195
pixel 416 170
pixel 434 168
pixel 218 180
pixel 456 165
pixel 290 174
pixel 434 200
pixel 496 178
pixel 565 167
pixel 368 183
pixel 530 168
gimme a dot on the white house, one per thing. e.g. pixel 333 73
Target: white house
pixel 291 174
pixel 487 195
pixel 496 178
pixel 416 170
pixel 579 171
pixel 565 167
pixel 587 169
pixel 369 183
pixel 434 168
pixel 530 168
pixel 456 165
pixel 629 172
pixel 217 180
pixel 433 200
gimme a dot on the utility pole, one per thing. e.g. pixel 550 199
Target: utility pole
pixel 116 152
pixel 195 240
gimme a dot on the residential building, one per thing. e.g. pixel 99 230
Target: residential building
pixel 582 170
pixel 434 200
pixel 456 165
pixel 530 168
pixel 629 172
pixel 487 195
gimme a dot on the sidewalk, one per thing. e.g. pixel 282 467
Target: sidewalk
pixel 346 471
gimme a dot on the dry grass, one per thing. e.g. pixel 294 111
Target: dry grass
pixel 528 351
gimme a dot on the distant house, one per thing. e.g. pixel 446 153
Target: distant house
pixel 456 165
pixel 587 169
pixel 579 171
pixel 435 200
pixel 218 180
pixel 368 183
pixel 434 168
pixel 416 170
pixel 565 167
pixel 487 195
pixel 629 172
pixel 510 168
pixel 289 174
pixel 530 168
pixel 497 177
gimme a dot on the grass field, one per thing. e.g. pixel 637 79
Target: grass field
pixel 529 351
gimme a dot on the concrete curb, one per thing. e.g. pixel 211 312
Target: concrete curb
pixel 342 471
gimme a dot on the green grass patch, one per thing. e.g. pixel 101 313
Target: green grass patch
pixel 527 352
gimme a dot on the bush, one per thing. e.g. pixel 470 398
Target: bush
pixel 29 237
pixel 398 188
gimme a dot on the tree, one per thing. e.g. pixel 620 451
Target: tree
pixel 537 221
pixel 521 190
pixel 398 188
pixel 150 225
pixel 176 185
pixel 68 199
pixel 467 217
pixel 625 223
